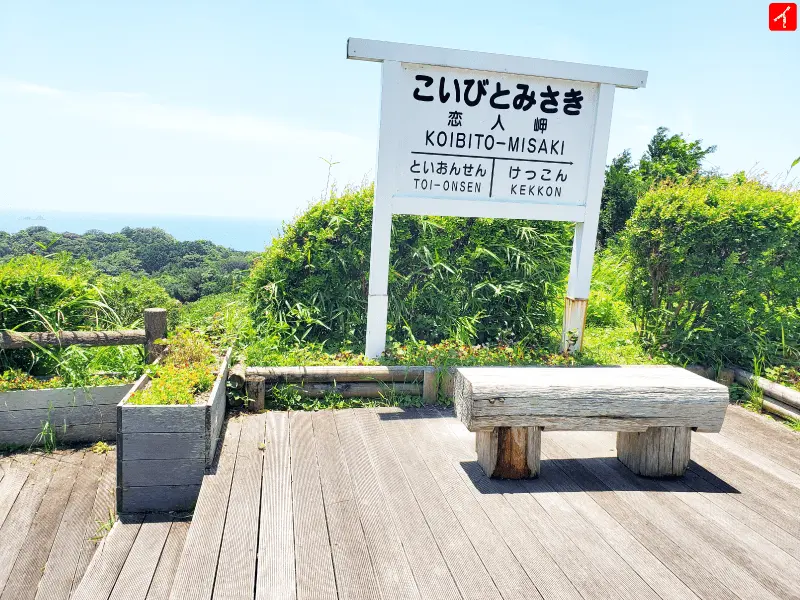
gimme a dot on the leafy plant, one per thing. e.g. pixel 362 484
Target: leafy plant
pixel 175 385
pixel 754 395
pixel 128 295
pixel 714 271
pixel 291 397
pixel 785 375
pixel 47 436
pixel 188 348
pixel 186 371
pixel 13 380
pixel 104 527
pixel 480 280
pixel 101 447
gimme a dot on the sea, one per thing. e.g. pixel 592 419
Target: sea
pixel 236 233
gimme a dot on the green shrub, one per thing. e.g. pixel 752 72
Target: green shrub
pixel 475 280
pixel 715 271
pixel 608 306
pixel 224 318
pixel 41 294
pixel 128 295
pixel 47 294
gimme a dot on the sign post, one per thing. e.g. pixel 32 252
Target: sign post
pixel 471 134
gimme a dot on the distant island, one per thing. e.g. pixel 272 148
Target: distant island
pixel 36 218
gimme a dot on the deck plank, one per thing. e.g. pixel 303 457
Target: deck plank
pixel 389 560
pixel 103 510
pixel 740 507
pixel 32 558
pixel 681 525
pixel 315 579
pixel 510 578
pixel 10 486
pixel 686 566
pixel 620 544
pixel 744 546
pixel 511 500
pixel 197 567
pixel 168 562
pixel 137 573
pixel 62 561
pixel 466 565
pixel 769 467
pixel 767 495
pixel 20 517
pixel 275 578
pixel 236 570
pixel 112 552
pixel 557 568
pixel 432 575
pixel 771 433
pixel 355 577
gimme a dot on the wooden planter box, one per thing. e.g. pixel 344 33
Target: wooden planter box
pixel 76 414
pixel 163 451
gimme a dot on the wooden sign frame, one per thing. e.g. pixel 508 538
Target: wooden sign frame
pixel 396 60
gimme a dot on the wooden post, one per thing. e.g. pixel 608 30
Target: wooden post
pixel 256 391
pixel 430 386
pixel 574 324
pixel 509 452
pixel 155 328
pixel 583 245
pixel 237 376
pixel 657 452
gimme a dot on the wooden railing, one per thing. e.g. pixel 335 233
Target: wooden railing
pixel 155 327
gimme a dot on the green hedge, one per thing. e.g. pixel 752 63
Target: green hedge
pixel 60 293
pixel 715 271
pixel 476 280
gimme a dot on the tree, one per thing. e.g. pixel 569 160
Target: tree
pixel 667 157
pixel 672 157
pixel 621 191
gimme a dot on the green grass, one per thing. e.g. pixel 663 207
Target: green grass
pixel 289 397
pixel 617 345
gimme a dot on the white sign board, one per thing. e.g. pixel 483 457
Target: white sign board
pixel 481 135
pixel 494 137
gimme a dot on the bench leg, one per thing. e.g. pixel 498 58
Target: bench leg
pixel 509 452
pixel 657 452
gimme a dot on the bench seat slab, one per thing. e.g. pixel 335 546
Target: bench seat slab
pixel 629 398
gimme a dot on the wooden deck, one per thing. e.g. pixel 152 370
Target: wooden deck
pixel 50 506
pixel 392 504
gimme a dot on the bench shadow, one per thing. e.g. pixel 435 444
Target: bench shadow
pixel 571 474
pixel 574 475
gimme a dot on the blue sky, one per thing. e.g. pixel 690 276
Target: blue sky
pixel 225 107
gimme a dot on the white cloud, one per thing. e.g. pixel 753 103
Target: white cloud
pixel 139 111
pixel 31 88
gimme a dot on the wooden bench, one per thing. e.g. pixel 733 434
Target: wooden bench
pixel 653 409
